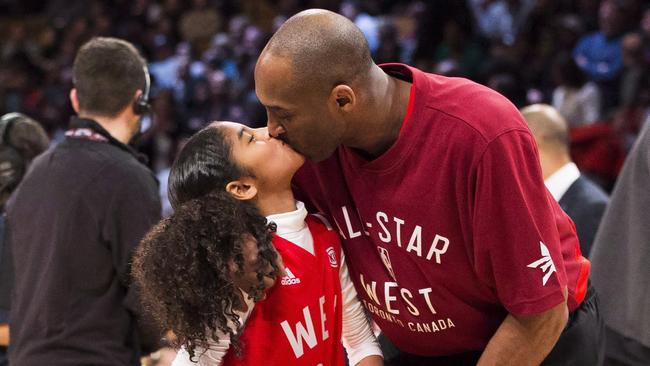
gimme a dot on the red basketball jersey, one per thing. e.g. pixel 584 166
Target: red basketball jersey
pixel 299 323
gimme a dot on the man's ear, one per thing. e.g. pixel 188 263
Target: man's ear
pixel 74 100
pixel 242 189
pixel 343 98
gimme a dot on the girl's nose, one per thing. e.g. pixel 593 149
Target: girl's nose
pixel 262 133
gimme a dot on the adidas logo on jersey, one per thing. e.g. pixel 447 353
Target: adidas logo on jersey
pixel 289 279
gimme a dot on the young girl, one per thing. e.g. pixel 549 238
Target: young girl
pixel 208 273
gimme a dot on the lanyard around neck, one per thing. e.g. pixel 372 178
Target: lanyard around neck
pixel 85 134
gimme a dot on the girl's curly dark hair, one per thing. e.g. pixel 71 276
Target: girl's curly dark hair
pixel 182 264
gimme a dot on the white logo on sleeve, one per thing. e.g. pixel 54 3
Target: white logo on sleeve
pixel 545 263
pixel 289 279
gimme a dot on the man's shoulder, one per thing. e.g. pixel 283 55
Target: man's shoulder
pixel 584 200
pixel 584 190
pixel 114 166
pixel 119 160
pixel 132 176
pixel 478 108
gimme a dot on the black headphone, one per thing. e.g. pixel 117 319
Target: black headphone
pixel 6 122
pixel 12 164
pixel 141 105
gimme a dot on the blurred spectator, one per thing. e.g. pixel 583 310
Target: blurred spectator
pixel 634 67
pixel 21 140
pixel 199 24
pixel 579 197
pixel 15 43
pixel 505 77
pixel 569 29
pixel 644 29
pixel 621 258
pixel 599 54
pixel 589 12
pixel 549 34
pixel 634 91
pixel 458 54
pixel 630 119
pixel 368 24
pixel 389 49
pixel 501 20
pixel 163 175
pixel 164 68
pixel 576 98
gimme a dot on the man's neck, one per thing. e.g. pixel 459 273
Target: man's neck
pixel 118 127
pixel 276 202
pixel 379 127
pixel 551 164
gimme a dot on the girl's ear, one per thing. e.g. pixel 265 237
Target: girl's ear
pixel 243 189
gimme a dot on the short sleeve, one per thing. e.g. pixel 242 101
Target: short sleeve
pixel 516 243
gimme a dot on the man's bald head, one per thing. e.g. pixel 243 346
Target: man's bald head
pixel 548 126
pixel 552 135
pixel 324 48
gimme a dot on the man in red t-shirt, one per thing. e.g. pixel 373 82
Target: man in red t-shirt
pixel 457 250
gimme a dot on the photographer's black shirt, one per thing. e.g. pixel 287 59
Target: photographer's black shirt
pixel 73 224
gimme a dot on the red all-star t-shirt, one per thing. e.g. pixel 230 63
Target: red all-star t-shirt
pixel 452 228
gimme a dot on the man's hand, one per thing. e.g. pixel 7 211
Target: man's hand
pixel 525 340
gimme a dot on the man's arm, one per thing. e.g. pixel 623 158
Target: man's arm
pixel 518 246
pixel 525 340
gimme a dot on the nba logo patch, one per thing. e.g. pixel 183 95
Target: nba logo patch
pixel 386 260
pixel 331 255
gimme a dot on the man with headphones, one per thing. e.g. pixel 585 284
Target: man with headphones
pixel 76 218
pixel 21 140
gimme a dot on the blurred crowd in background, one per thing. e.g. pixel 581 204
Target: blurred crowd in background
pixel 588 58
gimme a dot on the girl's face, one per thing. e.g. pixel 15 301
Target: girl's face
pixel 271 162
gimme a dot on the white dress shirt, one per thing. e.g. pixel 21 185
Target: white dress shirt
pixel 560 181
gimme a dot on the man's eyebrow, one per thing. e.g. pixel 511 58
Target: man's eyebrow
pixel 276 108
pixel 240 133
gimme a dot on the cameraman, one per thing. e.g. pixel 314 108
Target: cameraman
pixel 77 217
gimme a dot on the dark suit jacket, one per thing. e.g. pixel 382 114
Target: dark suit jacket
pixel 585 203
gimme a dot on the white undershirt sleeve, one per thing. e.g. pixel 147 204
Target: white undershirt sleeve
pixel 213 356
pixel 358 339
